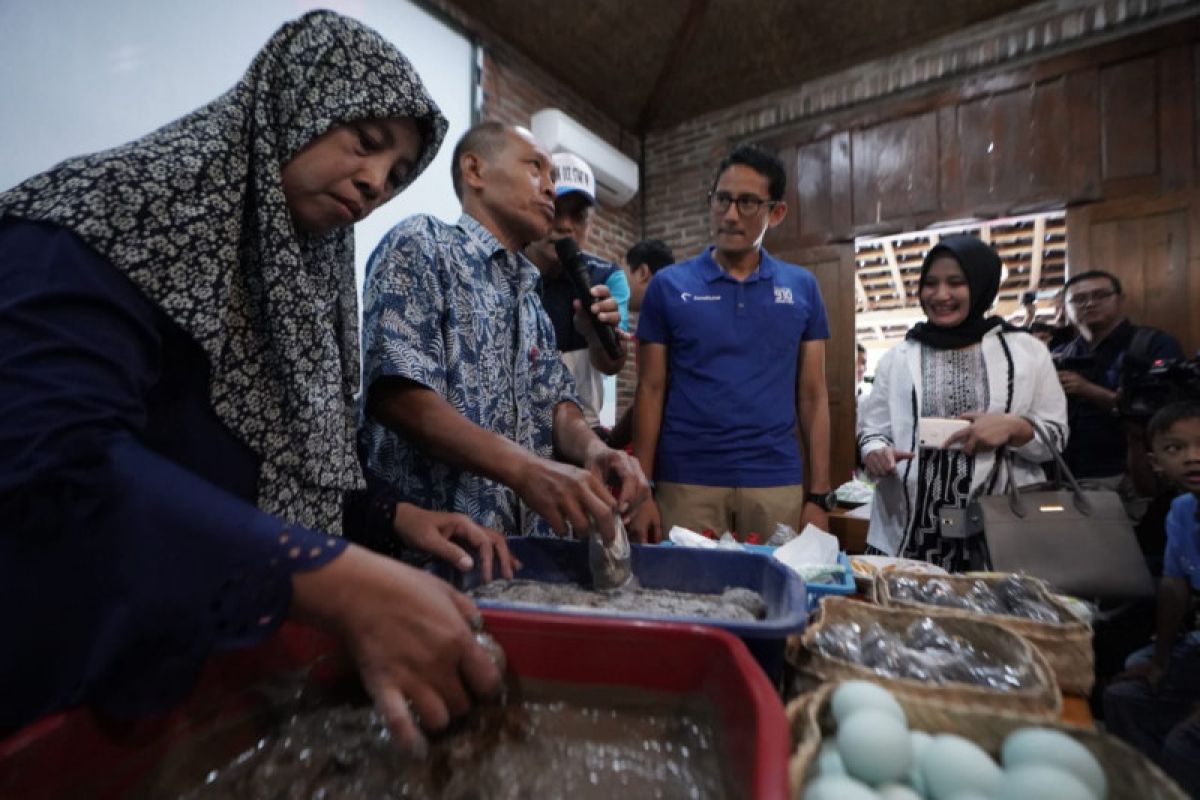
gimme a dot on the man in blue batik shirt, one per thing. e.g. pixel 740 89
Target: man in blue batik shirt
pixel 468 405
pixel 732 416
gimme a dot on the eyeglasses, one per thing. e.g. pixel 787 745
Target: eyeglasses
pixel 1087 298
pixel 747 204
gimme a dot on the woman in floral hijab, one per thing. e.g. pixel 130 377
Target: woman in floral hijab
pixel 178 364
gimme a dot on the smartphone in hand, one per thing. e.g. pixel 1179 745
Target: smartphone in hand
pixel 932 432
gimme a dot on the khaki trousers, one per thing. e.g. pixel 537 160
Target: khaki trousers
pixel 725 508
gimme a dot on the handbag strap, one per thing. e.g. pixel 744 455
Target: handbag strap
pixel 1063 479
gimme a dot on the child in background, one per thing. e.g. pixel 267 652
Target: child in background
pixel 1155 704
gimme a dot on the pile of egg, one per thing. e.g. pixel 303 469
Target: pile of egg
pixel 876 757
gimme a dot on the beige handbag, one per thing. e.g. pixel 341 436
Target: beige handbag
pixel 1080 541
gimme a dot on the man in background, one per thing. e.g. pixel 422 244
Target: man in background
pixel 1090 371
pixel 642 262
pixel 582 352
pixel 738 438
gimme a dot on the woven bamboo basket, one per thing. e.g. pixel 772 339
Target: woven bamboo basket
pixel 1131 776
pixel 1066 645
pixel 1040 698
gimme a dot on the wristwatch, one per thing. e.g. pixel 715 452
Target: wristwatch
pixel 825 500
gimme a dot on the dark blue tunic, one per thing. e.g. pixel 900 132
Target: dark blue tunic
pixel 130 546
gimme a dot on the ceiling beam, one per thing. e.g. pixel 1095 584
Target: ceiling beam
pixel 1035 254
pixel 683 41
pixel 861 293
pixel 894 267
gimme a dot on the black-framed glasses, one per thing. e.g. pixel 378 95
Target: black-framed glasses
pixel 747 204
pixel 1087 298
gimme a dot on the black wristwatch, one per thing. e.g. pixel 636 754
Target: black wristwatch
pixel 825 500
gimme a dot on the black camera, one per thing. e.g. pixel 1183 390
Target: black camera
pixel 1147 389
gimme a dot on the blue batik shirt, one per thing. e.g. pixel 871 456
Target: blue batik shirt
pixel 448 307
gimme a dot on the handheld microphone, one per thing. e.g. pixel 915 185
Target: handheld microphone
pixel 572 263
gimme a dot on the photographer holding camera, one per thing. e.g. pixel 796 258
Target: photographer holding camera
pixel 1090 369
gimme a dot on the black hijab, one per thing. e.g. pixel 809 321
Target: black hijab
pixel 982 267
pixel 195 215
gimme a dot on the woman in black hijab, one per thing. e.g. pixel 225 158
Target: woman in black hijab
pixel 178 364
pixel 960 364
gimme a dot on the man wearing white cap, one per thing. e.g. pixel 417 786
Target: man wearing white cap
pixel 574 204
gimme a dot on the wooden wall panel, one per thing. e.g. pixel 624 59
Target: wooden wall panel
pixel 1013 151
pixel 1196 105
pixel 841 175
pixel 895 169
pixel 1176 118
pixel 812 178
pixel 833 267
pixel 1153 246
pixel 1083 136
pixel 950 173
pixel 1129 119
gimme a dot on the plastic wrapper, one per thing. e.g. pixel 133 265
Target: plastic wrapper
pixel 1015 596
pixel 610 562
pixel 782 535
pixel 924 652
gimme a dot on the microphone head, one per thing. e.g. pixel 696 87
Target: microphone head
pixel 566 249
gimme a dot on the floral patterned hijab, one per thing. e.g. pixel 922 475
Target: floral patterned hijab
pixel 194 214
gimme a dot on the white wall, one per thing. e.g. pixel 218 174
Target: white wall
pixel 86 75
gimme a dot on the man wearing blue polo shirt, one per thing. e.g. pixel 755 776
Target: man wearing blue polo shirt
pixel 731 416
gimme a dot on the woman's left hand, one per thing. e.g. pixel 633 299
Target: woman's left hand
pixel 432 531
pixel 990 431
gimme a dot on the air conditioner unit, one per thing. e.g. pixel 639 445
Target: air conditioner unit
pixel 616 173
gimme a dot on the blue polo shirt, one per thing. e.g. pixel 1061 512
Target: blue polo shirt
pixel 732 347
pixel 1182 559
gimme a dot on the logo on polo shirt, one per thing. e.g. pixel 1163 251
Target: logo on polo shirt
pixel 783 295
pixel 687 297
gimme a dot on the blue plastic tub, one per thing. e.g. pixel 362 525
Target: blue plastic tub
pixel 678 568
pixel 815 590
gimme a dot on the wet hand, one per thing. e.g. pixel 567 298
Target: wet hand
pixel 569 498
pixel 436 531
pixel 410 634
pixel 618 469
pixel 882 463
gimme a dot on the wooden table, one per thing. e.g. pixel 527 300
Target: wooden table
pixel 851 532
pixel 1077 711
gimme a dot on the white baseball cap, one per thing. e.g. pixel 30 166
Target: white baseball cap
pixel 572 174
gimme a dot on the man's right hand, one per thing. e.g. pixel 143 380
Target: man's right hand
pixel 564 494
pixel 645 526
pixel 409 633
pixel 881 463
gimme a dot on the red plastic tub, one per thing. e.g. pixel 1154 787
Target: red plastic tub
pixel 75 755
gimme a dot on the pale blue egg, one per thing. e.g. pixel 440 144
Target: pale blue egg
pixel 838 787
pixel 897 791
pixel 1046 746
pixel 920 741
pixel 951 765
pixel 829 760
pixel 853 696
pixel 875 746
pixel 1041 782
